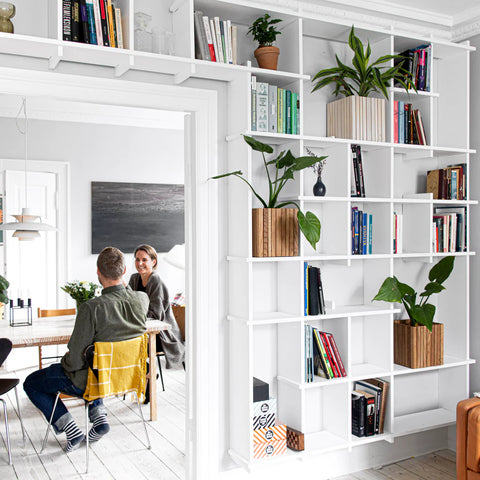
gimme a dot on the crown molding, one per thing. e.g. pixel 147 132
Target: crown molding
pixel 466 31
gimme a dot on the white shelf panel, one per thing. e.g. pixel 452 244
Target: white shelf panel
pixel 411 94
pixel 323 442
pixel 421 421
pixel 263 462
pixel 453 203
pixel 448 362
pixel 357 441
pixel 366 370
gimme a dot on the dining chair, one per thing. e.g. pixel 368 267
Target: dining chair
pixel 115 369
pixel 6 384
pixel 43 313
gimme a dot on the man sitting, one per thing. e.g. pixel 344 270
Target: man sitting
pixel 117 314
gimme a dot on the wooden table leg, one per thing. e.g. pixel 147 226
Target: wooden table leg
pixel 152 348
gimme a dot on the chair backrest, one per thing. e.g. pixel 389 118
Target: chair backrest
pixel 5 349
pixel 55 312
pixel 121 368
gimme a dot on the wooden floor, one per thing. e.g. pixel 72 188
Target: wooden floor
pixel 119 455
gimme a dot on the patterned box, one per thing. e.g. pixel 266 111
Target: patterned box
pixel 264 413
pixel 269 442
pixel 295 439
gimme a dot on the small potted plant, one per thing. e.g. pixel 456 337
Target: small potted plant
pixel 282 239
pixel 418 342
pixel 264 32
pixel 348 116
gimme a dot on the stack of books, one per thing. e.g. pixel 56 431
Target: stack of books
pixel 369 405
pixel 407 124
pixel 362 232
pixel 448 183
pixel 274 109
pixel 417 63
pixel 449 229
pixel 215 39
pixel 358 181
pixel 322 357
pixel 98 22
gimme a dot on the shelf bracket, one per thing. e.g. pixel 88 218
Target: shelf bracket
pixel 184 74
pixel 231 138
pixel 124 67
pixel 175 6
pixel 54 60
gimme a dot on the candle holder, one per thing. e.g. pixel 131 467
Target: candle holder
pixel 20 306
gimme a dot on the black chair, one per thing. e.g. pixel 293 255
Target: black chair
pixel 6 384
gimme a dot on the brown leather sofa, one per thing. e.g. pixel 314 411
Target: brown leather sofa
pixel 468 439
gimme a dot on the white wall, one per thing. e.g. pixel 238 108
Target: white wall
pixel 95 152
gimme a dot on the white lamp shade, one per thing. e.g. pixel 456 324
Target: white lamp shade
pixel 26 222
pixel 26 234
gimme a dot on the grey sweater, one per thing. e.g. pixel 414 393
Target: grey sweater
pixel 160 309
pixel 117 314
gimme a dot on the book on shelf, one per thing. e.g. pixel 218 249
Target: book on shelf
pixel 118 27
pixel 111 24
pixel 357 165
pixel 369 412
pixel 77 28
pixel 201 46
pixel 91 32
pixel 208 33
pixel 336 354
pixel 97 21
pixel 314 291
pixel 329 351
pixel 272 108
pixel 104 23
pixel 385 386
pixel 359 407
pixel 417 61
pixel 262 106
pixel 67 20
pixel 448 183
pixel 449 229
pixel 397 232
pixel 362 232
pixel 254 103
pixel 325 362
pixel 377 392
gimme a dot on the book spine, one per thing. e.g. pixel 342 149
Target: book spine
pixel 356 170
pixel 218 33
pixel 370 417
pixel 289 112
pixel 305 288
pixel 336 352
pixel 104 23
pixel 229 42
pixel 421 70
pixel 214 40
pixel 401 122
pixel 280 110
pixel 67 20
pixel 360 171
pixel 211 49
pixel 358 415
pixel 84 20
pixel 324 359
pixel 113 27
pixel 76 22
pixel 272 108
pixel 395 121
pixel 320 293
pixel 370 234
pixel 313 298
pixel 254 103
pixel 262 107
pixel 202 52
pixel 118 25
pixel 97 20
pixel 224 45
pixel 294 113
pixel 331 359
pixel 91 23
pixel 364 233
pixel 284 95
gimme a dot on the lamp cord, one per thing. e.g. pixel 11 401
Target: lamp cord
pixel 24 132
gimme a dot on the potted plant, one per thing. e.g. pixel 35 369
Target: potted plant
pixel 418 342
pixel 264 32
pixel 362 117
pixel 282 238
pixel 4 284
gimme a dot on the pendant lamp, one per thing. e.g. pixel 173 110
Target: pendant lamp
pixel 27 225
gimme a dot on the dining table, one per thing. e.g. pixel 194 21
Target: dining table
pixel 57 331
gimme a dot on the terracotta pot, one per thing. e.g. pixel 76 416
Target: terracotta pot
pixel 267 57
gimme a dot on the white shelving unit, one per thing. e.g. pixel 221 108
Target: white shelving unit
pixel 266 321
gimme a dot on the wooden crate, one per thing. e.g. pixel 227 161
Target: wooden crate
pixel 416 346
pixel 274 232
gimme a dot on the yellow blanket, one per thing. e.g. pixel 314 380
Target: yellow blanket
pixel 121 368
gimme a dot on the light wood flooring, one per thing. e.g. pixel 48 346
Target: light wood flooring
pixel 121 454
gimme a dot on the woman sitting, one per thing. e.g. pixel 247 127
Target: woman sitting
pixel 148 281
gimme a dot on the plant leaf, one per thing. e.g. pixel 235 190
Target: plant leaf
pixel 431 288
pixel 389 291
pixel 238 172
pixel 424 314
pixel 287 161
pixel 4 284
pixel 257 145
pixel 442 270
pixel 310 226
pixel 305 162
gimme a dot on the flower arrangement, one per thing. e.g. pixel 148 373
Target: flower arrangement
pixel 320 165
pixel 82 291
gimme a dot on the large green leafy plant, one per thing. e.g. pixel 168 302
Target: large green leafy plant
pixel 284 166
pixel 363 77
pixel 417 306
pixel 263 30
pixel 4 284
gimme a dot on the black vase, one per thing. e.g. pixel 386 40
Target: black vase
pixel 319 189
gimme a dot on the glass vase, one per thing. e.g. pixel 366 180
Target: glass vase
pixel 7 11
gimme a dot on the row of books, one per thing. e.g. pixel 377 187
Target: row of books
pixel 449 229
pixel 448 183
pixel 417 62
pixel 179 300
pixel 358 181
pixel 397 232
pixel 322 357
pixel 274 109
pixel 97 22
pixel 314 297
pixel 215 39
pixel 407 124
pixel 369 406
pixel 362 232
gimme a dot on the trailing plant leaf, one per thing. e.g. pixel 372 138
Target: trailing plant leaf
pixel 283 169
pixel 364 78
pixel 419 312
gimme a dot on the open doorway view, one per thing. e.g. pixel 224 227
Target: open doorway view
pixel 74 148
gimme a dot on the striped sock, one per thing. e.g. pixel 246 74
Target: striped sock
pixel 99 429
pixel 74 436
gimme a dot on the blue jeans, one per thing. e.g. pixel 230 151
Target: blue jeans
pixel 41 388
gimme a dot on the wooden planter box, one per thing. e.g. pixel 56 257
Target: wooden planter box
pixel 358 118
pixel 417 347
pixel 274 232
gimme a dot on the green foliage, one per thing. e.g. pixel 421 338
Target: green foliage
pixel 418 310
pixel 4 284
pixel 284 166
pixel 82 291
pixel 363 78
pixel 263 30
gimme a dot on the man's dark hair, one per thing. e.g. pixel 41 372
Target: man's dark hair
pixel 111 263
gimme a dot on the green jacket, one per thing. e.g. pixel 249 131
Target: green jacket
pixel 118 314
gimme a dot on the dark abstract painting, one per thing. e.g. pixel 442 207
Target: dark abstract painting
pixel 125 215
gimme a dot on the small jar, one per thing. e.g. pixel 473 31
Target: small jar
pixel 7 11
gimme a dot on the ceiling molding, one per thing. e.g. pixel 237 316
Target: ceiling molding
pixel 466 31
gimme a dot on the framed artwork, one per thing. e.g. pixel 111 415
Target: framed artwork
pixel 125 215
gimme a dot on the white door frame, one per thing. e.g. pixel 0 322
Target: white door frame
pixel 202 389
